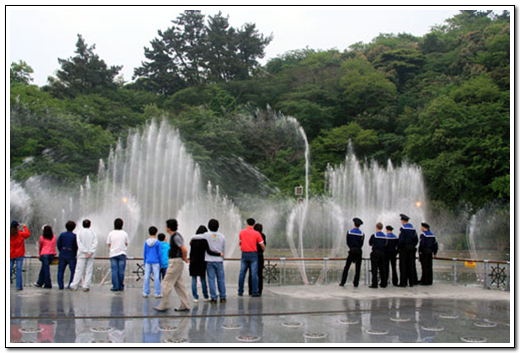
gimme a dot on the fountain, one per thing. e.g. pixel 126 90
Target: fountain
pixel 150 179
pixel 375 194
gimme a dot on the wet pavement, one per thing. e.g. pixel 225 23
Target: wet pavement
pixel 283 315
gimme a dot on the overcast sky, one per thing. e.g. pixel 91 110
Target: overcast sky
pixel 41 35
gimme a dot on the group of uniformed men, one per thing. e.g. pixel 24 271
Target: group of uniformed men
pixel 385 248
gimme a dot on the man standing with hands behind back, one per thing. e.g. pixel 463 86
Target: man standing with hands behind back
pixel 248 240
pixel 173 279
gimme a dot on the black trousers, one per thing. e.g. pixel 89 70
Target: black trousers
pixel 260 275
pixel 391 261
pixel 407 270
pixel 426 259
pixel 377 260
pixel 354 256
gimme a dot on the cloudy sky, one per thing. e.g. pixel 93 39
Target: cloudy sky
pixel 41 35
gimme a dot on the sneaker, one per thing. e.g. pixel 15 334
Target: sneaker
pixel 195 300
pixel 207 299
pixel 160 309
pixel 223 300
pixel 156 296
pixel 86 289
pixel 145 295
pixel 38 285
pixel 73 289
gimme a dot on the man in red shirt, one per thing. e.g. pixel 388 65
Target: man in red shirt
pixel 248 240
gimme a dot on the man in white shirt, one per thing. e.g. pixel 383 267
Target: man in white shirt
pixel 87 246
pixel 117 241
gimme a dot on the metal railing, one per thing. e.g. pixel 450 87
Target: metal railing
pixel 283 271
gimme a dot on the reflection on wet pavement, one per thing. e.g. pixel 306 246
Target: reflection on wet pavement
pixel 39 316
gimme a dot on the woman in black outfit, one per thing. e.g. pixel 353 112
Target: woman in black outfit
pixel 259 228
pixel 198 249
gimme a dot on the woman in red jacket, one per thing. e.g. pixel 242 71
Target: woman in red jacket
pixel 17 242
pixel 46 255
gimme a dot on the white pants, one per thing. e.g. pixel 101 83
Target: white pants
pixel 83 265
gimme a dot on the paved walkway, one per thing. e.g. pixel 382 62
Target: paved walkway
pixel 442 313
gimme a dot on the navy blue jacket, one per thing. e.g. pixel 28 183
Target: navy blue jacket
pixel 391 244
pixel 378 241
pixel 408 237
pixel 67 245
pixel 428 241
pixel 355 238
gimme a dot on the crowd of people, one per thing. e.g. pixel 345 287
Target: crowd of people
pixel 386 247
pixel 166 259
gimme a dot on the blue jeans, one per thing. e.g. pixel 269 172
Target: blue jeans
pixel 19 265
pixel 44 279
pixel 194 287
pixel 117 266
pixel 216 269
pixel 156 278
pixel 249 261
pixel 64 261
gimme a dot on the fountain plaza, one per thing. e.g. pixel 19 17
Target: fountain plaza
pixel 151 177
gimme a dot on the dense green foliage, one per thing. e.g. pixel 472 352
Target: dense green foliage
pixel 441 101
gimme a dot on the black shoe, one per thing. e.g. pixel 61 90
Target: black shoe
pixel 38 285
pixel 372 287
pixel 213 301
pixel 256 295
pixel 161 309
pixel 185 309
pixel 342 284
pixel 240 294
pixel 402 285
pixel 356 285
pixel 383 286
pixel 223 300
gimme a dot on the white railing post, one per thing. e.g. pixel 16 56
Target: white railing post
pixel 486 270
pixel 454 271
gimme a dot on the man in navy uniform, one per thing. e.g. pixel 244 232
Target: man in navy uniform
pixel 378 241
pixel 427 248
pixel 391 254
pixel 407 242
pixel 355 239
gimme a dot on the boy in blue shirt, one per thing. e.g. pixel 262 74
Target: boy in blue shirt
pixel 152 258
pixel 165 249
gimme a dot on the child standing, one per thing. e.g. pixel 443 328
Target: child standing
pixel 152 258
pixel 165 249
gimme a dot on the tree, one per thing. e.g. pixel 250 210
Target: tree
pixel 83 73
pixel 364 88
pixel 192 52
pixel 21 73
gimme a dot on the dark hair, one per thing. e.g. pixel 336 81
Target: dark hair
pixel 152 230
pixel 70 225
pixel 47 233
pixel 258 227
pixel 14 232
pixel 250 222
pixel 86 223
pixel 172 224
pixel 201 230
pixel 379 225
pixel 118 224
pixel 161 236
pixel 213 225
